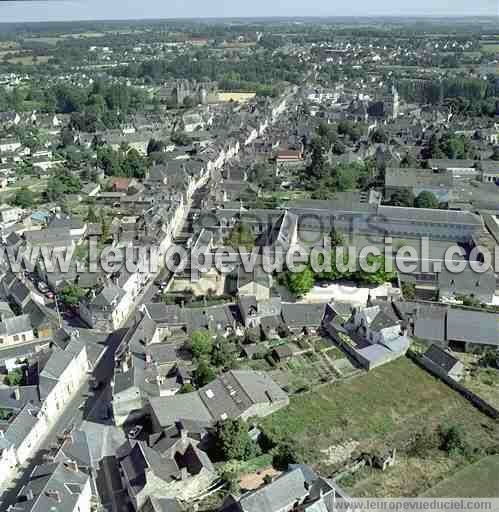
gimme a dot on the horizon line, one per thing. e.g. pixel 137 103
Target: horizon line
pixel 260 18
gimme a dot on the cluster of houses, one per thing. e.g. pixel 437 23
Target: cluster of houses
pixel 165 465
pixel 50 379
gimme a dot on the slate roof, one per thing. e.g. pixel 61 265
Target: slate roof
pixel 441 358
pixel 22 424
pixel 473 327
pixel 108 296
pixel 142 335
pixel 188 406
pixel 217 318
pixel 56 237
pixel 103 440
pixel 303 314
pixel 467 282
pixel 281 494
pixel 164 505
pixel 139 459
pixel 443 163
pixel 417 178
pixel 15 325
pixel 164 314
pixel 19 291
pixel 76 448
pixel 56 476
pixel 401 214
pixel 230 395
pixel 66 223
pixel 57 364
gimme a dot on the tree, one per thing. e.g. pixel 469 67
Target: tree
pixel 223 354
pixel 288 452
pixel 233 441
pixel 241 236
pixel 426 199
pixel 402 197
pixel 201 343
pixel 186 388
pixel 134 164
pixel 189 102
pixel 334 273
pixel 24 198
pixel 327 134
pixel 318 167
pixel 203 374
pixel 408 161
pixel 379 136
pixel 408 290
pixel 299 283
pixel 230 475
pixel 490 359
pixel 378 277
pixel 337 238
pixel 453 440
pixel 71 294
pixel 91 216
pixel 63 182
pixel 104 226
pixel 15 378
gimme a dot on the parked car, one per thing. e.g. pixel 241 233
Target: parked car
pixel 42 287
pixel 132 434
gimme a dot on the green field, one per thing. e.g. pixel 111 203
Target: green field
pixel 29 60
pixel 480 480
pixel 383 409
pixel 490 48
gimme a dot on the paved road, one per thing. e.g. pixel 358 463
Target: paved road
pixel 97 403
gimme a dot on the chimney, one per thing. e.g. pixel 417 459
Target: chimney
pixel 53 494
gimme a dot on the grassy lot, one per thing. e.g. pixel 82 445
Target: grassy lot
pixel 384 408
pixel 485 383
pixel 30 59
pixel 479 480
pixel 490 48
pixel 46 40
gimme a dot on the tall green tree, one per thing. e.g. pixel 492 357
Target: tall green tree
pixel 233 441
pixel 24 198
pixel 426 199
pixel 203 374
pixel 299 283
pixel 201 343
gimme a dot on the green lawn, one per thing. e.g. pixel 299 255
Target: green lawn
pixel 383 409
pixel 480 480
pixel 490 48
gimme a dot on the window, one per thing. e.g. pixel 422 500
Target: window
pixel 16 338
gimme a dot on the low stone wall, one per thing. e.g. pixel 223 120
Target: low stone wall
pixel 473 398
